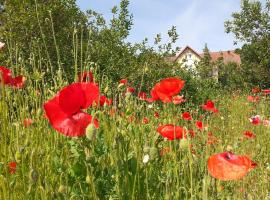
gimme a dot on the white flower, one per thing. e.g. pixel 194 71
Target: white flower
pixel 146 158
pixel 2 45
pixel 150 106
pixel 266 122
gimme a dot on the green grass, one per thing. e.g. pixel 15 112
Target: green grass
pixel 108 163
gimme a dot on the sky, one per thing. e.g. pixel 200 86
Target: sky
pixel 197 21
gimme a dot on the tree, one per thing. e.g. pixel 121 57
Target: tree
pixel 252 27
pixel 205 66
pixel 61 38
pixel 44 26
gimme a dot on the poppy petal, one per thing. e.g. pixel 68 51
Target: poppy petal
pixel 227 166
pixel 171 132
pixel 17 82
pixel 67 102
pixel 91 93
pixel 166 88
pixel 72 126
pixel 6 75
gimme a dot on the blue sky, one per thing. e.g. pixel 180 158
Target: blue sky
pixel 197 21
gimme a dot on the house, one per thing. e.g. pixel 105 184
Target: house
pixel 189 58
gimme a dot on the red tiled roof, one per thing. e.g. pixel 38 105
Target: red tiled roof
pixel 228 56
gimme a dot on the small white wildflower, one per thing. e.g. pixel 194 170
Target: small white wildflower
pixel 146 158
pixel 2 45
pixel 150 106
pixel 266 122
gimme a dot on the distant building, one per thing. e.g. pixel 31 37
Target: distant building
pixel 189 58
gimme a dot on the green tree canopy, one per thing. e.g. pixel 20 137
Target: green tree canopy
pixel 252 27
pixel 205 66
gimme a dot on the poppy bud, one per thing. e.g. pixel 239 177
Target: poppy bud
pixel 18 156
pixel 184 144
pixel 87 153
pixel 106 89
pixel 62 189
pixel 146 69
pixel 120 85
pixel 88 179
pixel 1 167
pixel 33 175
pixel 90 132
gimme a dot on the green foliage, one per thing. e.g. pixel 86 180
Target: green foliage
pixel 109 164
pixel 251 26
pixel 231 76
pixel 45 27
pixel 205 66
pixel 73 41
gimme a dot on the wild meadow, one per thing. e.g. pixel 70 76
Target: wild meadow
pixel 84 114
pixel 126 156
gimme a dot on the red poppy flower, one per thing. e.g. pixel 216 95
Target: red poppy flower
pixel 18 82
pixel 156 115
pixel 150 100
pixel 253 99
pixel 256 120
pixel 190 132
pixel 27 122
pixel 227 166
pixel 64 110
pixel 5 75
pixel 7 79
pixel 256 90
pixel 123 81
pixel 131 118
pixel 186 116
pixel 103 100
pixel 210 106
pixel 166 89
pixel 266 91
pixel 211 139
pixel 130 90
pixel 86 76
pixel 171 132
pixel 199 125
pixel 142 95
pixel 12 167
pixel 178 99
pixel 164 151
pixel 145 120
pixel 249 135
pixel 112 112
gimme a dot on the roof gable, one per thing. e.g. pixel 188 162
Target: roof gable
pixel 184 50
